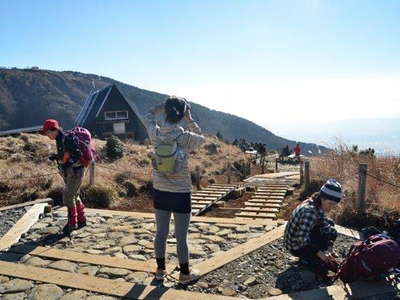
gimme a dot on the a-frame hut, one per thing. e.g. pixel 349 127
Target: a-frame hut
pixel 106 112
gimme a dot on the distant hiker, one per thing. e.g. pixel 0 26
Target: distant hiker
pixel 285 153
pixel 297 151
pixel 309 234
pixel 72 158
pixel 171 178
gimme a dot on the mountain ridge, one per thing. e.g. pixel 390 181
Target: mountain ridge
pixel 61 94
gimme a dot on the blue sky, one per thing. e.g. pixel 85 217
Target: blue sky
pixel 268 61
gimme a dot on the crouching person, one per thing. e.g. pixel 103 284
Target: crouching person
pixel 71 169
pixel 309 234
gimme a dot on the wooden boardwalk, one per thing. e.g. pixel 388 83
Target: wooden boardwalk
pixel 10 264
pixel 265 203
pixel 205 198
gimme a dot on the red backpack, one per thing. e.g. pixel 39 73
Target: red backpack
pixel 85 144
pixel 369 258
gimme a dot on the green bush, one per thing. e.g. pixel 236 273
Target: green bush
pixel 4 187
pixel 56 193
pixel 120 178
pixel 97 196
pixel 147 187
pixel 211 148
pixel 114 148
pixel 131 189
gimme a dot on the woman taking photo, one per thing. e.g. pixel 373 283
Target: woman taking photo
pixel 172 184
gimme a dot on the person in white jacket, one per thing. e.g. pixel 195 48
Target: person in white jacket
pixel 172 190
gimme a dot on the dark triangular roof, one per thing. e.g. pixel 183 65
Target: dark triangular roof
pixel 95 102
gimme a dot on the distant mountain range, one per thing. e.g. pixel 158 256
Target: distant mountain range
pixel 381 134
pixel 29 96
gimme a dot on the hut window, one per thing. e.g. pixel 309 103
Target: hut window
pixel 116 115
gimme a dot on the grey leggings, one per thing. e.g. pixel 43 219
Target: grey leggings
pixel 181 231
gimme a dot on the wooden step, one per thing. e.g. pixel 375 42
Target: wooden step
pixel 269 205
pixel 268 198
pixel 198 206
pixel 102 260
pixel 259 209
pixel 265 201
pixel 271 191
pixel 120 289
pixel 256 215
pixel 201 202
pixel 204 198
pixel 270 194
pixel 208 194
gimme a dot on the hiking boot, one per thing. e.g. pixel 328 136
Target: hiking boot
pixel 80 209
pixel 67 230
pixel 160 274
pixel 81 224
pixel 72 221
pixel 186 279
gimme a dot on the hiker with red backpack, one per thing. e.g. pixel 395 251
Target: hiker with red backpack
pixel 74 153
pixel 309 234
pixel 173 134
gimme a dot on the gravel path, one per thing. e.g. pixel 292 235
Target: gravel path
pixel 9 218
pixel 269 270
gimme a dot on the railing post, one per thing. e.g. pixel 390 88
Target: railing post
pixel 92 167
pixel 262 165
pixel 362 187
pixel 301 174
pixel 198 178
pixel 307 173
pixel 229 172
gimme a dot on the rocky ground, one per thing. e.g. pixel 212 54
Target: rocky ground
pixel 131 237
pixel 270 271
pixel 9 218
pixel 267 271
pixel 117 236
pixel 18 289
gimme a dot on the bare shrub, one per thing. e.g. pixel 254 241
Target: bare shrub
pixel 382 199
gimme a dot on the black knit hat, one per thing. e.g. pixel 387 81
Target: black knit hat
pixel 332 190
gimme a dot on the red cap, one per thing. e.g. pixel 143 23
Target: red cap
pixel 49 125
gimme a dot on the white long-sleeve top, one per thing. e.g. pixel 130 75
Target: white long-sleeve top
pixel 188 139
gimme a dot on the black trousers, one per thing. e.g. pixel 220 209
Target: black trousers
pixel 318 240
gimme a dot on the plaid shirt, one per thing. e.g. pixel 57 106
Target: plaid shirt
pixel 302 221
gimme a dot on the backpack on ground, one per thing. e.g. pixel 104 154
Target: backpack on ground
pixel 85 144
pixel 366 259
pixel 166 156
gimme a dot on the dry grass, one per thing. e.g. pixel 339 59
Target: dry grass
pixel 27 174
pixel 383 200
